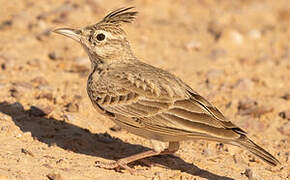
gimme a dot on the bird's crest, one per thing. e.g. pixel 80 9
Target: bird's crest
pixel 119 16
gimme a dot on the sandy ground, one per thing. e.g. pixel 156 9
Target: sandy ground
pixel 235 53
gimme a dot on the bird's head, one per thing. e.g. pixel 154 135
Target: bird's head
pixel 104 41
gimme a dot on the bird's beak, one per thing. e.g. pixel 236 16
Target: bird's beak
pixel 71 33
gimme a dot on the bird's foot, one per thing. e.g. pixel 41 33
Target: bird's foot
pixel 116 165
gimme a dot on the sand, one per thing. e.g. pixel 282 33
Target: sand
pixel 234 53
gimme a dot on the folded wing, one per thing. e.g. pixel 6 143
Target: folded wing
pixel 162 101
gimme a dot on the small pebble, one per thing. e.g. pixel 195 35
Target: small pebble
pixel 250 107
pixel 286 96
pixel 20 89
pixel 215 29
pixel 39 110
pixel 285 114
pixel 6 24
pixel 221 147
pixel 47 166
pixel 72 107
pixel 47 96
pixel 27 152
pixel 248 173
pixel 54 177
pixel 251 175
pixel 247 104
pixel 206 152
pixel 3 67
pixel 116 128
pixel 70 118
pixel 59 161
pixel 44 34
pixel 39 80
pixel 77 98
pixel 237 37
pixel 285 129
pixel 195 45
pixel 217 53
pixel 34 62
pixel 54 56
pixel 83 70
pixel 15 93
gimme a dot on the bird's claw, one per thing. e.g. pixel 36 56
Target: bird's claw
pixel 116 165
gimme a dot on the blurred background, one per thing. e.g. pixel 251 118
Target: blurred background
pixel 235 53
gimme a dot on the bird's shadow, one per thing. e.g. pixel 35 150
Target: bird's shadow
pixel 79 140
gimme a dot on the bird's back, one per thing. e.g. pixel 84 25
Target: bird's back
pixel 139 90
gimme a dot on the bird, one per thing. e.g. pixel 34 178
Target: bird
pixel 148 101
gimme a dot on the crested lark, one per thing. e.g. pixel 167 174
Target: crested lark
pixel 148 101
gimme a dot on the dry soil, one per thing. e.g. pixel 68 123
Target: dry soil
pixel 235 53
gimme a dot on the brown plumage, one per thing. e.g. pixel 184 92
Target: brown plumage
pixel 148 101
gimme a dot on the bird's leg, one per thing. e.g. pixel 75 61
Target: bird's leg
pixel 172 148
pixel 122 163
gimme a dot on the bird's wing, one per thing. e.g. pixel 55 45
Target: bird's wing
pixel 157 99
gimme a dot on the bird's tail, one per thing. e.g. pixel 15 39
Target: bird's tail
pixel 248 144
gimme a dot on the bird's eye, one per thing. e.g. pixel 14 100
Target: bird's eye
pixel 101 37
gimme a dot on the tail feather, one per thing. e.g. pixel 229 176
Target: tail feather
pixel 245 142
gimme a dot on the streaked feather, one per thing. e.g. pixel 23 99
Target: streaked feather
pixel 122 15
pixel 175 113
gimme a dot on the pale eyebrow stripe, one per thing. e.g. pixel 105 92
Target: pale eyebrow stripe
pixel 107 34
